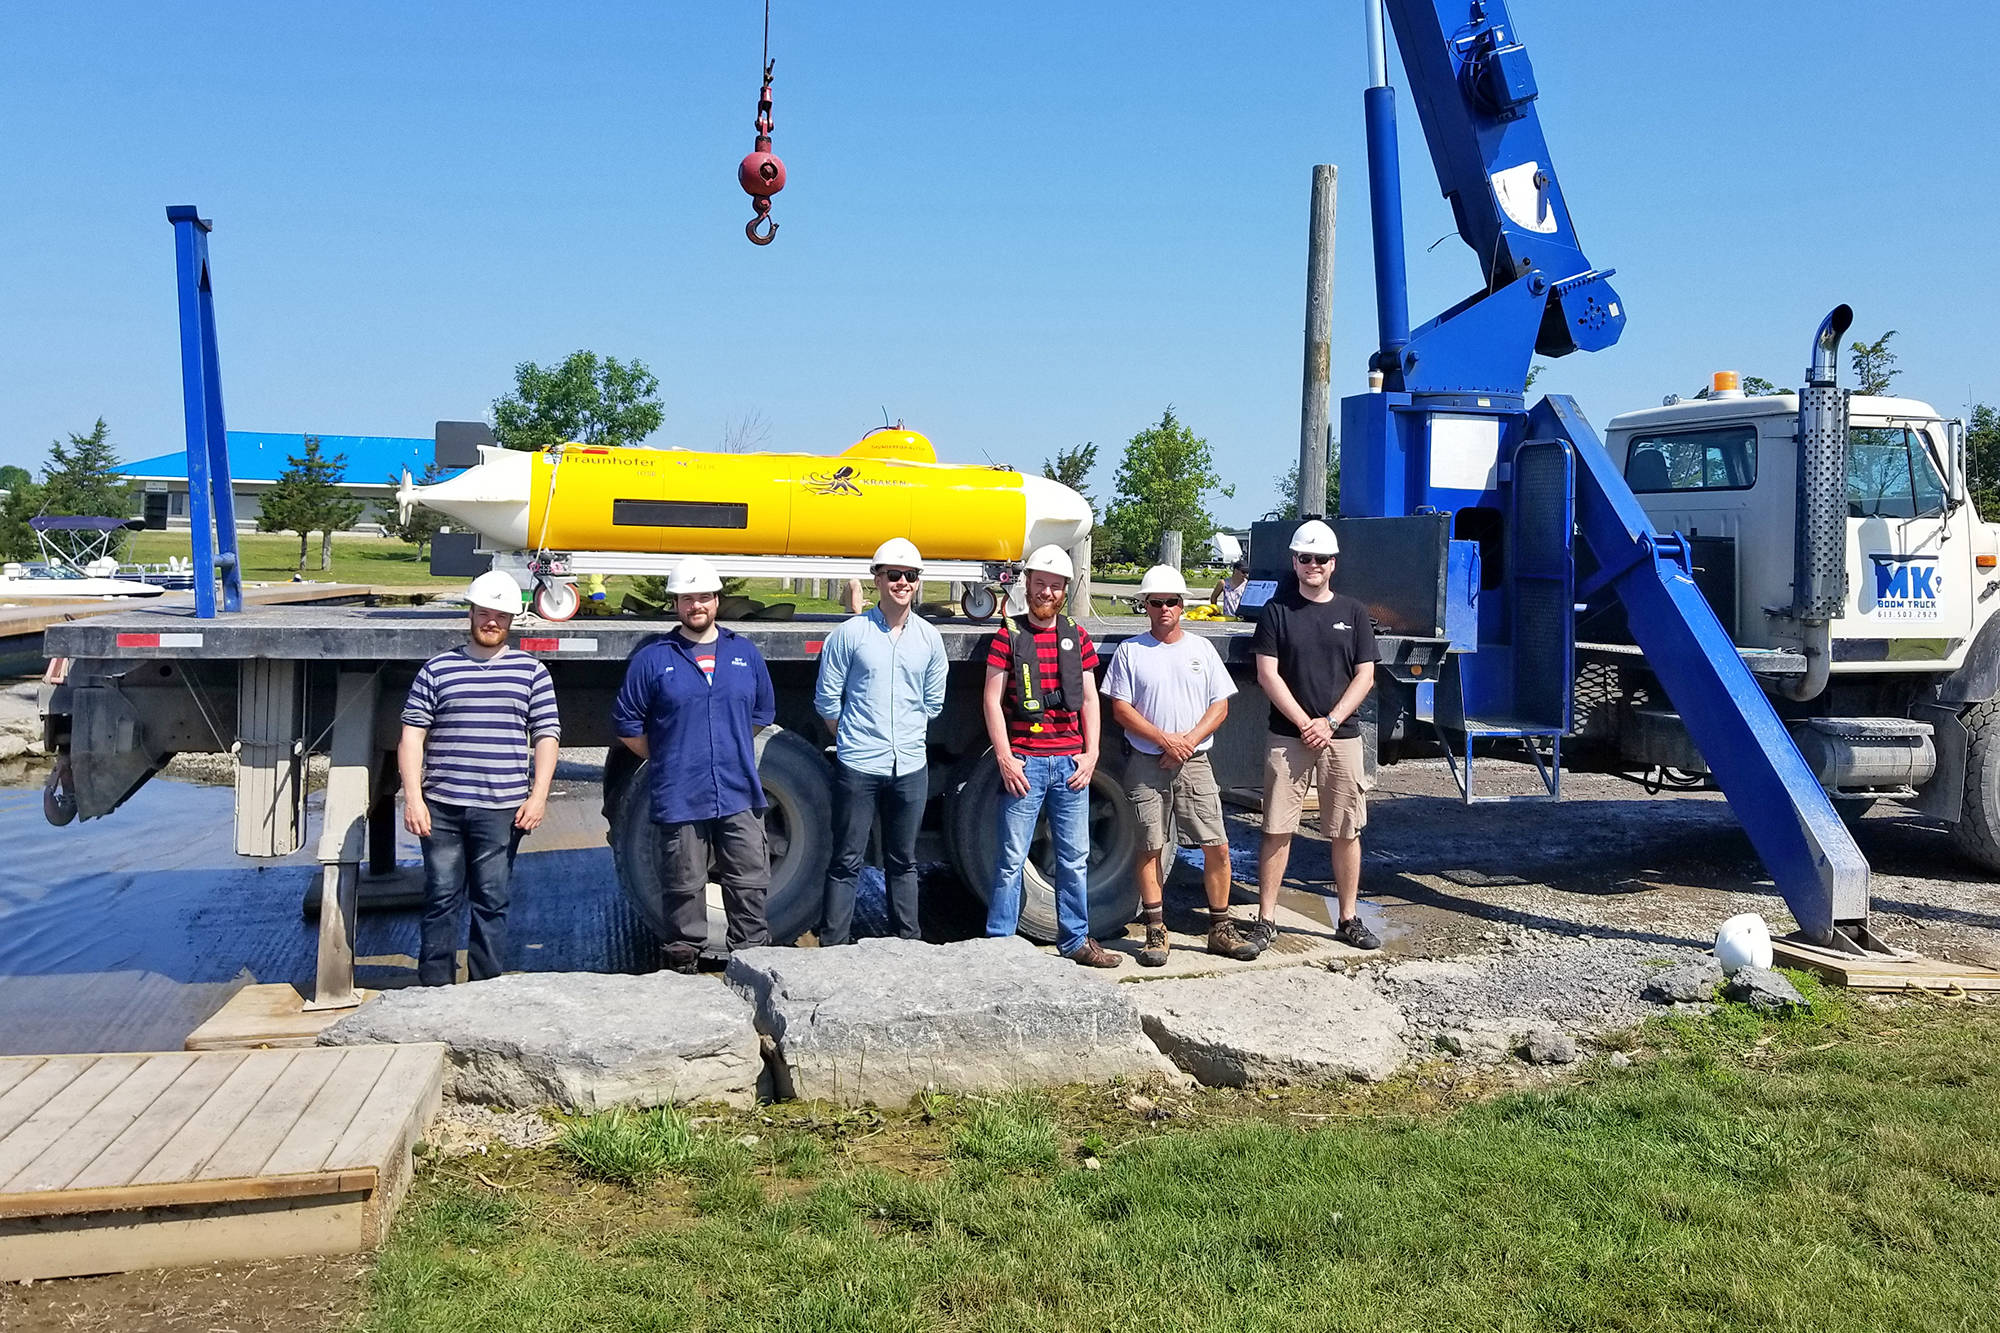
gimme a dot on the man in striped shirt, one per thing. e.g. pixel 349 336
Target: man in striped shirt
pixel 469 722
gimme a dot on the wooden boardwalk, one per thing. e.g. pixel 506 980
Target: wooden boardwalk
pixel 116 1162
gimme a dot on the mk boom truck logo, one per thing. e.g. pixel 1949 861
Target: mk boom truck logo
pixel 1906 587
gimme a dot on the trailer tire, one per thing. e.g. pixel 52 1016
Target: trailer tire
pixel 974 838
pixel 1977 832
pixel 798 823
pixel 557 600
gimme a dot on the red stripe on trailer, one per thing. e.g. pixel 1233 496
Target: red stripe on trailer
pixel 539 645
pixel 138 641
pixel 814 645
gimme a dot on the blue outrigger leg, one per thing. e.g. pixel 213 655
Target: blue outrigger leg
pixel 1780 803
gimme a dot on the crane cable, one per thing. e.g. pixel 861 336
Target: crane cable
pixel 762 173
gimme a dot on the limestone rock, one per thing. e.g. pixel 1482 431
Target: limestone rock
pixel 1765 991
pixel 1689 983
pixel 1297 1025
pixel 1490 1040
pixel 881 1020
pixel 1548 1046
pixel 583 1041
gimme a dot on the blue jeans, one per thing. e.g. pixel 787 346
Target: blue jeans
pixel 470 853
pixel 1069 830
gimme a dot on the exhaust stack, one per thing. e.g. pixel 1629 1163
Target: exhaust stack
pixel 1819 547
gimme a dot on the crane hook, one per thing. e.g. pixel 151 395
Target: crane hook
pixel 763 219
pixel 762 173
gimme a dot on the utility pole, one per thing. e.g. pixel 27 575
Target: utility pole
pixel 1319 345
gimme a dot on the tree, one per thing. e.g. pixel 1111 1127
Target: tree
pixel 746 434
pixel 306 498
pixel 13 478
pixel 1982 452
pixel 1072 467
pixel 1163 484
pixel 17 539
pixel 585 399
pixel 1874 365
pixel 423 522
pixel 82 478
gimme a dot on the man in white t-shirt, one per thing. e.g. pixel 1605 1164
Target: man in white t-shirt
pixel 1170 691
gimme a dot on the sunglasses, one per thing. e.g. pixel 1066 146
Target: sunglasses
pixel 1162 603
pixel 1305 559
pixel 902 576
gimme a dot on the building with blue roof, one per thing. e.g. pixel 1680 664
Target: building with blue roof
pixel 374 464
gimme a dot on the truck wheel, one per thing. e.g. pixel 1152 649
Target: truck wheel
pixel 798 824
pixel 1977 832
pixel 557 600
pixel 1114 852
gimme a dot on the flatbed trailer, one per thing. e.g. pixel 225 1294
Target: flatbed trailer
pixel 273 685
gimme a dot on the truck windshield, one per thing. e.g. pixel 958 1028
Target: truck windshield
pixel 1890 474
pixel 1720 458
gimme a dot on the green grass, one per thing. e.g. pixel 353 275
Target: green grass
pixel 274 558
pixel 1837 1171
pixel 629 1147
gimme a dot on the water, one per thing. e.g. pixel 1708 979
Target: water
pixel 126 933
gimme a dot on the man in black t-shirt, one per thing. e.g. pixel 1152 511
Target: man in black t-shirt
pixel 1315 652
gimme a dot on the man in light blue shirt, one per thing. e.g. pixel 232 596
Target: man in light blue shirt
pixel 881 681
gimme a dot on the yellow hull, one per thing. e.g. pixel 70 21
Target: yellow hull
pixel 617 499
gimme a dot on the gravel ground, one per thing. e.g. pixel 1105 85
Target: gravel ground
pixel 462 1129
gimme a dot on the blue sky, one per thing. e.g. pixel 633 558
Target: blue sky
pixel 1016 227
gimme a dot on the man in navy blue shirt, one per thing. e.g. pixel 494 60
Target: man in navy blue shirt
pixel 693 702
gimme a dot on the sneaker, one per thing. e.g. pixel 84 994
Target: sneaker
pixel 1224 939
pixel 1262 934
pixel 1155 952
pixel 1093 954
pixel 1355 935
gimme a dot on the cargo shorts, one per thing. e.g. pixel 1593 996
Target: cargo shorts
pixel 1189 791
pixel 1291 768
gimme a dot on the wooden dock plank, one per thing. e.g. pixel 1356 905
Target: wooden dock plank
pixel 144 1137
pixel 27 1097
pixel 231 1231
pixel 35 1135
pixel 1877 972
pixel 185 1193
pixel 14 1068
pixel 196 1141
pixel 306 1148
pixel 384 1118
pixel 62 1160
pixel 245 1151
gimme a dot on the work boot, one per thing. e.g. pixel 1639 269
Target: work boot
pixel 1355 935
pixel 1093 954
pixel 1262 934
pixel 684 958
pixel 1155 952
pixel 1224 939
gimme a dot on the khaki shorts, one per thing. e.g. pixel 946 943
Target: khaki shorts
pixel 1290 768
pixel 1190 790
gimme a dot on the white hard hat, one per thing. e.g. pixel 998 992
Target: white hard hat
pixel 496 591
pixel 1744 941
pixel 1050 560
pixel 900 552
pixel 1163 579
pixel 693 574
pixel 1313 537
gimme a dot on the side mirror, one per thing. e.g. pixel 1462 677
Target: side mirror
pixel 1955 472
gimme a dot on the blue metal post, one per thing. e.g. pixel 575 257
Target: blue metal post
pixel 1385 216
pixel 211 502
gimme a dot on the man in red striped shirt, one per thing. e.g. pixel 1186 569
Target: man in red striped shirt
pixel 1041 715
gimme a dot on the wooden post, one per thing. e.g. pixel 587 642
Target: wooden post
pixel 1170 547
pixel 343 840
pixel 270 759
pixel 1313 433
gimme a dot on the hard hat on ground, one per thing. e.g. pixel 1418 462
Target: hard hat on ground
pixel 1165 580
pixel 496 591
pixel 899 553
pixel 1744 941
pixel 693 574
pixel 1313 537
pixel 1050 559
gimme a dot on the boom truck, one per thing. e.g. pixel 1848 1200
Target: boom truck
pixel 1473 524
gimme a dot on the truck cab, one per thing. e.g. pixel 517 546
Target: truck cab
pixel 1921 567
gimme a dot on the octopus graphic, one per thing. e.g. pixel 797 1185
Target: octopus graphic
pixel 838 482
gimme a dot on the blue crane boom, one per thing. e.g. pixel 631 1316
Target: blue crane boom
pixel 1449 432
